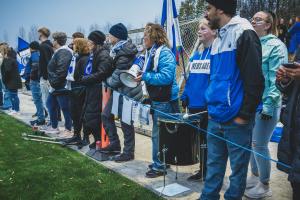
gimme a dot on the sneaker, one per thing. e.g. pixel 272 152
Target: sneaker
pixel 151 166
pixel 34 115
pixel 66 134
pixel 154 173
pixel 252 181
pixel 37 122
pixel 196 177
pixel 51 130
pixel 111 149
pixel 44 128
pixel 123 158
pixel 13 112
pixel 259 191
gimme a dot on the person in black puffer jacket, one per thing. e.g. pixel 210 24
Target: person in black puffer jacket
pixel 58 94
pixel 288 82
pixel 77 95
pixel 11 77
pixel 93 76
pixel 124 54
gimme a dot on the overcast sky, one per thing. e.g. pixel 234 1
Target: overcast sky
pixel 67 15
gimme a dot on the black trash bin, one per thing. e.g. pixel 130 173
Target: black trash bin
pixel 181 140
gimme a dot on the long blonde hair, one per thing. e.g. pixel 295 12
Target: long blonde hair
pixel 205 22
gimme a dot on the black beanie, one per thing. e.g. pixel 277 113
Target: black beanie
pixel 97 37
pixel 228 6
pixel 34 45
pixel 119 31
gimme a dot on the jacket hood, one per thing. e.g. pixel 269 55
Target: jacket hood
pixel 267 38
pixel 128 49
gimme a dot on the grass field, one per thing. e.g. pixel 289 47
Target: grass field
pixel 33 171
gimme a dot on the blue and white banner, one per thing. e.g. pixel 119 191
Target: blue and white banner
pixel 170 18
pixel 23 55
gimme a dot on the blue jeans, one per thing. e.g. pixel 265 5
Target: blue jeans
pixel 218 153
pixel 54 102
pixel 165 107
pixel 1 93
pixel 14 99
pixel 6 99
pixel 37 99
pixel 261 136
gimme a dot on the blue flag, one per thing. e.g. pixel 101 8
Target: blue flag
pixel 170 18
pixel 23 55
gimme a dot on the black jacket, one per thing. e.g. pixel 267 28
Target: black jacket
pixel 289 146
pixel 46 52
pixel 101 70
pixel 81 62
pixel 58 68
pixel 123 61
pixel 10 74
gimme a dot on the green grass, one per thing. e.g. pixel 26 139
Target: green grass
pixel 33 170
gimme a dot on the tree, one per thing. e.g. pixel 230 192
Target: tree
pixel 106 27
pixel 94 27
pixel 33 33
pixel 80 29
pixel 22 32
pixel 191 9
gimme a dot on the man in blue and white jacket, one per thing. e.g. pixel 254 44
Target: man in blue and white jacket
pixel 235 90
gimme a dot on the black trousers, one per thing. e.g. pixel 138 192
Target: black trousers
pixel 203 141
pixel 296 190
pixel 77 98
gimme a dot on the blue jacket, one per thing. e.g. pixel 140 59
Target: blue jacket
pixel 236 81
pixel 197 83
pixel 294 32
pixel 166 72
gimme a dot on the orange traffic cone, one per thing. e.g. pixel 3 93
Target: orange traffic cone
pixel 105 96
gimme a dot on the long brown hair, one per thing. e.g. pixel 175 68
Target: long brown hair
pixel 271 19
pixel 157 34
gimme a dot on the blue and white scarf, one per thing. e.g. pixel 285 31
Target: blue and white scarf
pixel 116 48
pixel 152 56
pixel 71 69
pixel 89 66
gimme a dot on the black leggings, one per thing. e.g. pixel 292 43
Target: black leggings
pixel 296 190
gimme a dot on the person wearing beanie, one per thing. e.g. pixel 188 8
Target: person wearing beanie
pixel 99 70
pixel 234 92
pixel 34 83
pixel 123 53
pixel 58 95
pixel 119 31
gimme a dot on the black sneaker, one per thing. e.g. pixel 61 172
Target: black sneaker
pixel 167 166
pixel 111 149
pixel 37 123
pixel 93 145
pixel 123 158
pixel 73 140
pixel 196 177
pixel 154 173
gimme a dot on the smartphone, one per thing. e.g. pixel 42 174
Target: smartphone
pixel 290 65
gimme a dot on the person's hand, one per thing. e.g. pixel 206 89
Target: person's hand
pixel 294 73
pixel 139 77
pixel 239 120
pixel 281 75
pixel 265 117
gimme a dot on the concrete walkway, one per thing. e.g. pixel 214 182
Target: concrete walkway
pixel 135 170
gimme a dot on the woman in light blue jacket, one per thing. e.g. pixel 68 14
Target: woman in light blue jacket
pixel 159 75
pixel 274 54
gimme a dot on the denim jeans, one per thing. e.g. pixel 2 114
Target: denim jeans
pixel 1 93
pixel 37 99
pixel 54 102
pixel 111 130
pixel 44 90
pixel 163 107
pixel 218 153
pixel 14 99
pixel 261 136
pixel 5 97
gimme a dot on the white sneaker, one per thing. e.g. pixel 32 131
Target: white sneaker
pixel 252 181
pixel 44 128
pixel 51 130
pixel 8 111
pixel 259 191
pixel 13 112
pixel 66 134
